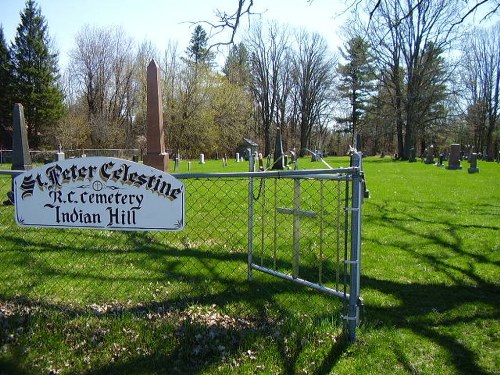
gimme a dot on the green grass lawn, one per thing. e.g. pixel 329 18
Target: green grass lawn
pixel 87 302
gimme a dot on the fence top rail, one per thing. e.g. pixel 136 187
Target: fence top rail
pixel 10 172
pixel 330 174
pixel 327 174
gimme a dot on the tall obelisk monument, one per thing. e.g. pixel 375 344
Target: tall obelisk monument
pixel 156 155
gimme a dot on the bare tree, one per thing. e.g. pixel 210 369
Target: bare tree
pixel 407 34
pixel 185 96
pixel 231 20
pixel 385 36
pixel 313 76
pixel 481 76
pixel 267 49
pixel 103 64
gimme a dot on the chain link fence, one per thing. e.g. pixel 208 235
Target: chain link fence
pixel 269 243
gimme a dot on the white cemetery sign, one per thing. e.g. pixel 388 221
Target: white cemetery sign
pixel 99 193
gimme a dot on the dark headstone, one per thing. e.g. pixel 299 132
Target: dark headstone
pixel 412 158
pixel 279 159
pixel 473 163
pixel 454 158
pixel 156 156
pixel 485 153
pixel 429 158
pixel 471 151
pixel 21 158
pixel 314 156
pixel 440 160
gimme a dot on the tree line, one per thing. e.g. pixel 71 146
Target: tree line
pixel 408 75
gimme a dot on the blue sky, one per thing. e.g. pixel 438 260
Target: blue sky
pixel 161 21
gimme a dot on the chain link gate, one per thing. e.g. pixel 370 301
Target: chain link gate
pixel 305 227
pixel 302 226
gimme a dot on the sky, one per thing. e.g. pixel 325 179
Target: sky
pixel 161 21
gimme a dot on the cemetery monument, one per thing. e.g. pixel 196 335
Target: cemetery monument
pixel 454 158
pixel 156 156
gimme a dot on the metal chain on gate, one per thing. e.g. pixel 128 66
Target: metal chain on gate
pixel 261 185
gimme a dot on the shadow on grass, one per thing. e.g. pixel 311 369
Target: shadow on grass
pixel 188 340
pixel 419 301
pixel 191 344
pixel 433 310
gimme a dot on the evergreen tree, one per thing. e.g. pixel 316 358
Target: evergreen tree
pixel 6 101
pixel 237 66
pixel 36 74
pixel 356 84
pixel 197 51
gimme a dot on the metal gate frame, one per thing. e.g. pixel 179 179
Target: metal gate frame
pixel 354 174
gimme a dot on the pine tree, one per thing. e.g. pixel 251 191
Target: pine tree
pixel 36 74
pixel 357 77
pixel 197 51
pixel 6 100
pixel 237 66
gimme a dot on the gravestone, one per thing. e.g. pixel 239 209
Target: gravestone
pixel 261 162
pixel 251 151
pixel 471 151
pixel 313 156
pixel 318 155
pixel 412 158
pixel 156 156
pixel 202 158
pixel 440 160
pixel 454 158
pixel 279 159
pixel 429 158
pixel 485 153
pixel 21 158
pixel 60 154
pixel 293 159
pixel 176 162
pixel 473 164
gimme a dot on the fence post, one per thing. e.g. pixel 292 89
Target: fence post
pixel 355 258
pixel 251 168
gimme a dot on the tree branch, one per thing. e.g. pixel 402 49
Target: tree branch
pixel 229 21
